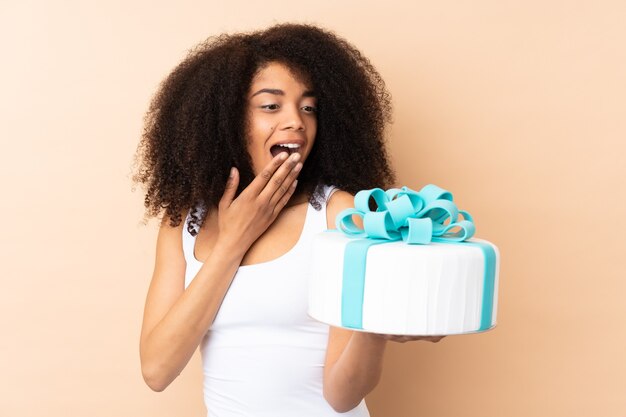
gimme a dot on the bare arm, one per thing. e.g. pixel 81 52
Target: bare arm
pixel 354 360
pixel 175 318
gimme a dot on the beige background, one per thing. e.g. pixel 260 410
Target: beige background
pixel 516 107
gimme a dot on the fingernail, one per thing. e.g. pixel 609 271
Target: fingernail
pixel 283 156
pixel 295 157
pixel 298 167
pixel 232 172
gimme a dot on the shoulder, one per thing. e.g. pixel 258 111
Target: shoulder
pixel 338 201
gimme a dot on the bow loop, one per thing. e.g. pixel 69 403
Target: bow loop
pixel 400 210
pixel 419 231
pixel 345 224
pixel 362 200
pixel 431 192
pixel 440 211
pixel 378 225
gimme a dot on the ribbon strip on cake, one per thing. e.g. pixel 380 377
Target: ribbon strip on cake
pixel 415 218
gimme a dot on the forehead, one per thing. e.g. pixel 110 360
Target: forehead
pixel 276 74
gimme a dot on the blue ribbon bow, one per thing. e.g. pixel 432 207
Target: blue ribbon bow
pixel 404 214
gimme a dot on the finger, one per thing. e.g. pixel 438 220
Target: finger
pixel 277 184
pixel 283 201
pixel 231 189
pixel 433 339
pixel 260 181
pixel 285 185
pixel 395 338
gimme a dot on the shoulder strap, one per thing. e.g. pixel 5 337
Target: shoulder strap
pixel 189 241
pixel 329 190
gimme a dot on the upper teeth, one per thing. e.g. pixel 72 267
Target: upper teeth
pixel 289 145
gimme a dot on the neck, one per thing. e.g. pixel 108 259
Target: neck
pixel 298 198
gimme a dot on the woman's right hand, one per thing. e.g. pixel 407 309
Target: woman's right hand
pixel 243 219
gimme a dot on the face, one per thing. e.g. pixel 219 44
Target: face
pixel 281 115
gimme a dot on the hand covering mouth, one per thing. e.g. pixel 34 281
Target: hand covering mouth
pixel 284 147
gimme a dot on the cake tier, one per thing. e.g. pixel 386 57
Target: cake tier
pixel 434 289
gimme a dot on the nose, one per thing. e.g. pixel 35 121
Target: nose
pixel 293 119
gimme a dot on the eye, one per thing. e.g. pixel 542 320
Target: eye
pixel 271 107
pixel 310 109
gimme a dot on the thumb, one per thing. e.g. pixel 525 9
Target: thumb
pixel 231 188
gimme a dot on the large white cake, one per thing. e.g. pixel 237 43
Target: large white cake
pixel 391 287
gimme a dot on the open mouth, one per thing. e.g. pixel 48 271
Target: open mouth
pixel 287 147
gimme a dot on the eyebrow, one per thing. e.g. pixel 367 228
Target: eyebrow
pixel 278 92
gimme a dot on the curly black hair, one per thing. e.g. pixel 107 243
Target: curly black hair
pixel 194 130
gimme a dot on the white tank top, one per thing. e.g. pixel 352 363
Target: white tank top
pixel 264 356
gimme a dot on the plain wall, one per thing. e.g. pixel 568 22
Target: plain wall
pixel 516 107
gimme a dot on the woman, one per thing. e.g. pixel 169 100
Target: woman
pixel 253 144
